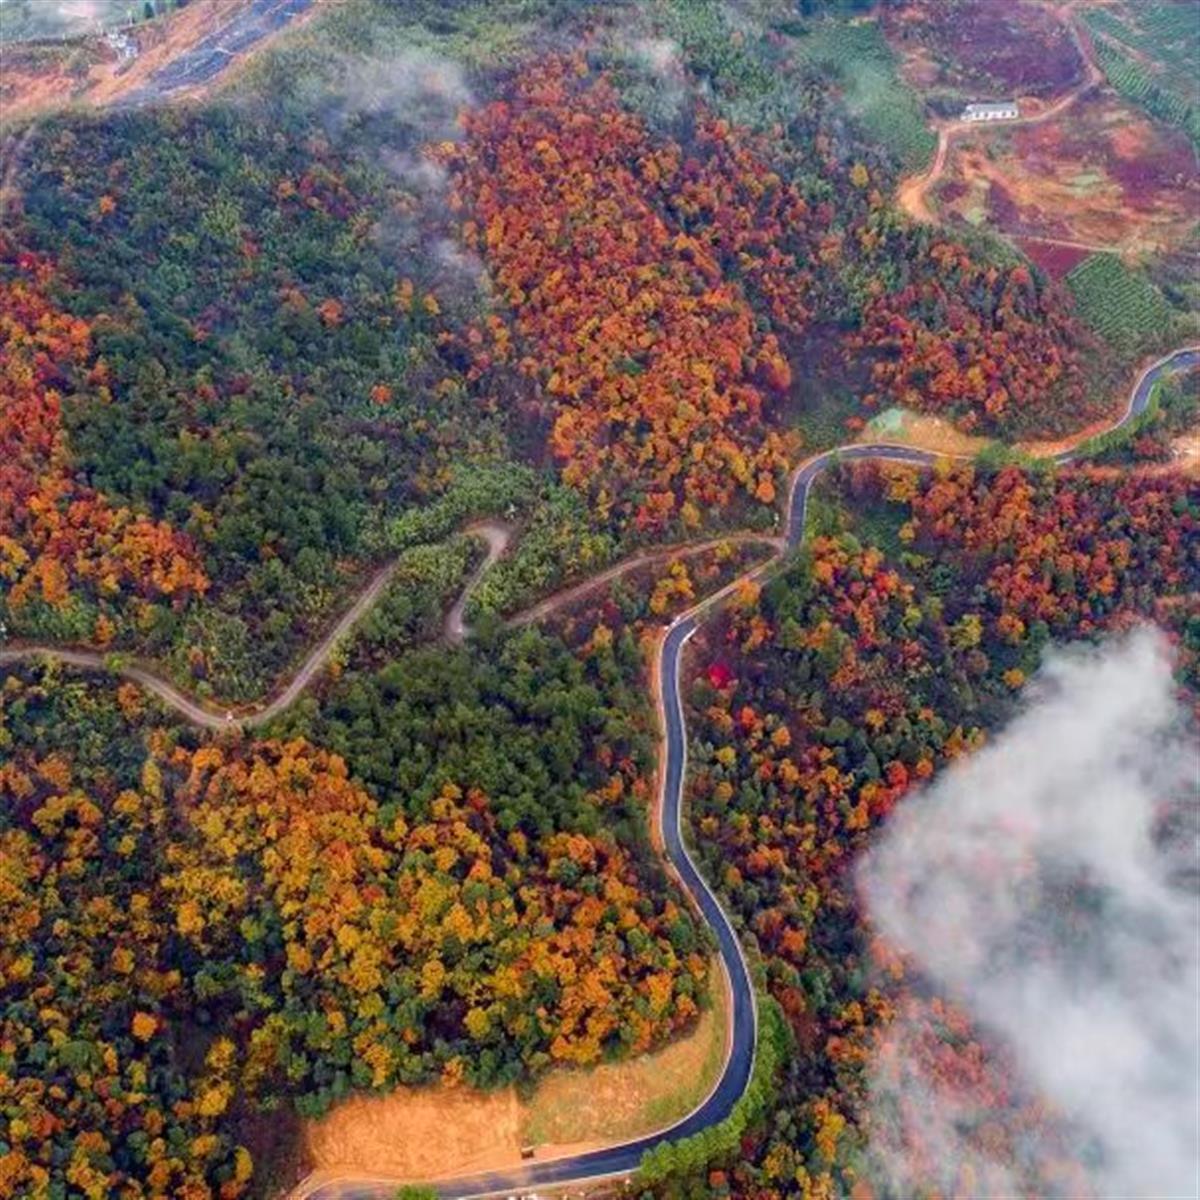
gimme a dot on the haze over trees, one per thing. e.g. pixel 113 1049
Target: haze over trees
pixel 605 273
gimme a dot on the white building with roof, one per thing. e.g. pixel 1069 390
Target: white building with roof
pixel 992 110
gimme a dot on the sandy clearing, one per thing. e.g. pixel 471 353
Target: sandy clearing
pixel 432 1132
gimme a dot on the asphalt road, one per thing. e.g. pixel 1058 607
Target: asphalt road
pixel 212 54
pixel 1139 398
pixel 622 1160
pixel 619 1160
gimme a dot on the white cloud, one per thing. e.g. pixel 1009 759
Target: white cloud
pixel 661 55
pixel 1029 883
pixel 421 90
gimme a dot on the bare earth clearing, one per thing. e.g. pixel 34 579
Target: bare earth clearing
pixel 1100 177
pixel 37 79
pixel 424 1133
pixel 1080 173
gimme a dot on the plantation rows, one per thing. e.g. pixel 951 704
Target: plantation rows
pixel 1123 306
pixel 1167 36
pixel 887 111
pixel 1132 82
pixel 1165 33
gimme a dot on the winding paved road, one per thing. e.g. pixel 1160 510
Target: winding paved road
pixel 622 1159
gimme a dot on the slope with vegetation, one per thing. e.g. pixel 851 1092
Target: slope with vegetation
pixel 898 641
pixel 254 350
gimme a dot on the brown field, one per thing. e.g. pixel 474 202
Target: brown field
pixel 1101 176
pixel 936 434
pixel 427 1133
pixel 1057 259
pixel 984 49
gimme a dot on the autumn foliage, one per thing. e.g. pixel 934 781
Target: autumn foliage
pixel 985 344
pixel 189 934
pixel 820 702
pixel 57 535
pixel 1071 553
pixel 364 907
pixel 650 353
pixel 751 220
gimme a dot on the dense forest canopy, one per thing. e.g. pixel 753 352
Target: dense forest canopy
pixel 601 276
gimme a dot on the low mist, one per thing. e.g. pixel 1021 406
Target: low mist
pixel 25 19
pixel 1033 885
pixel 421 92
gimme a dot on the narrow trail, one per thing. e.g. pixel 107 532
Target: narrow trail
pixel 568 595
pixel 497 535
pixel 912 194
pixel 619 1160
pixel 211 716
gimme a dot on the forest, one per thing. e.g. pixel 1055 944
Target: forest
pixel 202 931
pixel 899 641
pixel 605 275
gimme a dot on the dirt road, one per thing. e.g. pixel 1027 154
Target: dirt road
pixel 912 194
pixel 497 535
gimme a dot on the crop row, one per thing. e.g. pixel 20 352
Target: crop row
pixel 1134 83
pixel 1122 305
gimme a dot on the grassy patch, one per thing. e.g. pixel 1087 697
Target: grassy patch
pixel 625 1099
pixel 822 420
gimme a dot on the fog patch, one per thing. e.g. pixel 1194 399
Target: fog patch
pixel 420 92
pixel 657 84
pixel 1032 884
pixel 409 103
pixel 23 19
pixel 658 55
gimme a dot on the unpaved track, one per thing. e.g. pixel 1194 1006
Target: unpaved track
pixel 619 1160
pixel 497 535
pixel 568 595
pixel 912 194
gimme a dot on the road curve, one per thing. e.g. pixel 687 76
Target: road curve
pixel 568 595
pixel 497 535
pixel 1185 359
pixel 622 1159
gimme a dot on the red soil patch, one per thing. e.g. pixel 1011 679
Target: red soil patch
pixel 1098 173
pixel 1055 259
pixel 1146 158
pixel 1001 206
pixel 953 190
pixel 986 47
